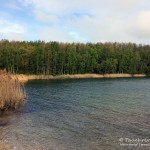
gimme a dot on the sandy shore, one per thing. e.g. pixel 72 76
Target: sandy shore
pixel 25 78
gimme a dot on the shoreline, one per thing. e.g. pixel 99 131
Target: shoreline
pixel 25 78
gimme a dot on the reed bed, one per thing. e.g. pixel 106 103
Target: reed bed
pixel 12 93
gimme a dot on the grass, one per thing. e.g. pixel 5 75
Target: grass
pixel 24 78
pixel 12 94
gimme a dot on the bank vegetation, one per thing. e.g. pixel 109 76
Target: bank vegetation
pixel 12 94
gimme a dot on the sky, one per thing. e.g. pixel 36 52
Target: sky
pixel 76 21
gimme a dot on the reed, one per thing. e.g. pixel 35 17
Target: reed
pixel 12 93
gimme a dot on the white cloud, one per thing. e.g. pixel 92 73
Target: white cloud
pixel 143 24
pixel 45 17
pixel 97 30
pixel 93 20
pixel 11 31
pixel 59 34
pixel 28 2
pixel 138 26
pixel 12 36
pixel 66 6
pixel 144 19
pixel 13 5
pixel 52 34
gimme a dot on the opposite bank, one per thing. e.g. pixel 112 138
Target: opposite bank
pixel 26 78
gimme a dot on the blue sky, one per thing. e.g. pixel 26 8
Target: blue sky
pixel 76 21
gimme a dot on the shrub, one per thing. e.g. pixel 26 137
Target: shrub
pixel 12 93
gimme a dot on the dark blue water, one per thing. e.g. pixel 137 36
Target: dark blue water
pixel 83 114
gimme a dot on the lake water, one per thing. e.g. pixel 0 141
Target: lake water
pixel 81 114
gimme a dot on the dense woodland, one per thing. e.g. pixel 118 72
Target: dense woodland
pixel 55 58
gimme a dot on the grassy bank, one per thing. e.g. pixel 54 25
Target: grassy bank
pixel 25 78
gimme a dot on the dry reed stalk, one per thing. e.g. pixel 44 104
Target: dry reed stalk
pixel 12 94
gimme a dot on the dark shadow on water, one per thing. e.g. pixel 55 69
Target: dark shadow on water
pixel 3 123
pixel 4 120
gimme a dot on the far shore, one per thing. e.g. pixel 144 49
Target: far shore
pixel 26 78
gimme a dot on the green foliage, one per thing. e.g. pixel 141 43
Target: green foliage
pixel 73 58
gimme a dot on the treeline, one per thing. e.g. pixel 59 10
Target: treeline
pixel 73 58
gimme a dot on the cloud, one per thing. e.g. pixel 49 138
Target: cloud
pixel 67 6
pixel 12 36
pixel 59 34
pixel 28 2
pixel 139 26
pixel 95 29
pixel 13 5
pixel 45 17
pixel 92 20
pixel 11 31
pixel 52 34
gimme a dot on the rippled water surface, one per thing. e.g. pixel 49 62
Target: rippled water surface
pixel 83 114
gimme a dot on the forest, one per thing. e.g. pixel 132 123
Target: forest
pixel 39 57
